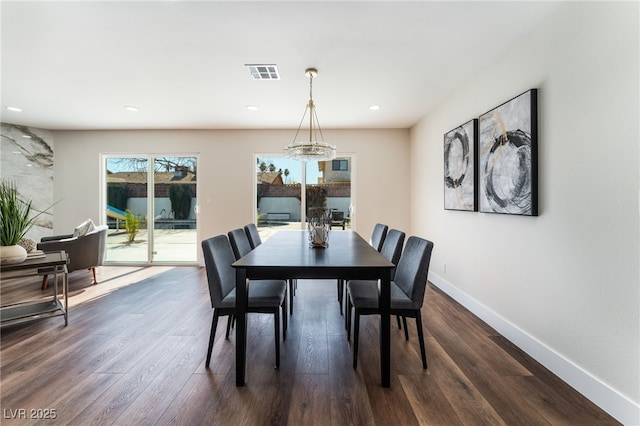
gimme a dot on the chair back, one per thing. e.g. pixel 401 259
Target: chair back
pixel 218 257
pixel 378 235
pixel 239 242
pixel 413 269
pixel 392 247
pixel 252 233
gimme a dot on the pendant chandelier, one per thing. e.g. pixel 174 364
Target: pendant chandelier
pixel 315 149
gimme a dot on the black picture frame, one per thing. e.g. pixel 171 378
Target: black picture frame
pixel 461 168
pixel 508 154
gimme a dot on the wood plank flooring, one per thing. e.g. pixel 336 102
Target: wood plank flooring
pixel 134 351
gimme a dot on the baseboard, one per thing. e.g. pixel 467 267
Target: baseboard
pixel 617 405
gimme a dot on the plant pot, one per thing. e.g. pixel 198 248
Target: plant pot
pixel 12 254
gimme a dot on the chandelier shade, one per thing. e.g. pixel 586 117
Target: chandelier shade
pixel 315 149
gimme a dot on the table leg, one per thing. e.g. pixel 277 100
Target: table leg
pixel 385 328
pixel 65 290
pixel 241 325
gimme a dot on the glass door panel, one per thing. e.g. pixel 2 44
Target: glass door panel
pixel 278 195
pixel 335 179
pixel 174 209
pixel 126 209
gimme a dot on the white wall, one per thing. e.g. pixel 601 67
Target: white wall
pixel 226 172
pixel 565 285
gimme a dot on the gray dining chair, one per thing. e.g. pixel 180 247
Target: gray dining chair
pixel 254 239
pixel 407 292
pixel 252 233
pixel 269 296
pixel 377 239
pixel 241 246
pixel 378 235
pixel 391 250
pixel 239 242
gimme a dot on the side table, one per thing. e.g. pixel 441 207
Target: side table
pixel 54 263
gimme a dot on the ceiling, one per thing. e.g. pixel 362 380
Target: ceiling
pixel 77 64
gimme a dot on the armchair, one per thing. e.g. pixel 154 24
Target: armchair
pixel 84 251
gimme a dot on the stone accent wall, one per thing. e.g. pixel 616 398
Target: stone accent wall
pixel 26 156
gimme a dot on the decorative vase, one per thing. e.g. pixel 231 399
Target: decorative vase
pixel 319 224
pixel 12 254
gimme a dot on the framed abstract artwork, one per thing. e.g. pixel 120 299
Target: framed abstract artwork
pixel 460 168
pixel 508 155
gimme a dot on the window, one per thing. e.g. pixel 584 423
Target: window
pixel 340 165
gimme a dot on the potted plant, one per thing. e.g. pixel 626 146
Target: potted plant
pixel 15 222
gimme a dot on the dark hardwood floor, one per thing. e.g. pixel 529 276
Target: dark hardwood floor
pixel 134 351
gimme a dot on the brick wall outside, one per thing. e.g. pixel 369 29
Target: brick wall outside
pixel 139 190
pixel 333 190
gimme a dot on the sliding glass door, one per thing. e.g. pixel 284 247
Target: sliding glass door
pixel 151 209
pixel 285 188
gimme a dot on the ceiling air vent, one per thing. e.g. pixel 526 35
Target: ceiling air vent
pixel 263 72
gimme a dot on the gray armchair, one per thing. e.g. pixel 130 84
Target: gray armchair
pixel 84 252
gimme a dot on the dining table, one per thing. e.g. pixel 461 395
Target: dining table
pixel 288 255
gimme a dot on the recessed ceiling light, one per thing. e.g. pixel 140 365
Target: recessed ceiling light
pixel 26 136
pixel 131 108
pixel 374 107
pixel 252 107
pixel 14 109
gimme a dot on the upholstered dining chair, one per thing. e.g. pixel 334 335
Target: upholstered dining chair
pixel 241 246
pixel 378 235
pixel 269 296
pixel 391 250
pixel 407 292
pixel 377 239
pixel 239 242
pixel 252 233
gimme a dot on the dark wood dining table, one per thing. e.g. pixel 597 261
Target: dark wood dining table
pixel 287 254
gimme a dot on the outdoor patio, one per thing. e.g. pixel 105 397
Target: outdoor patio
pixel 171 246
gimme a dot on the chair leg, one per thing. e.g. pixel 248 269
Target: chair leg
pixel 292 291
pixel 285 321
pixel 406 330
pixel 95 280
pixel 229 325
pixel 45 282
pixel 398 320
pixel 348 318
pixel 212 336
pixel 277 334
pixel 421 340
pixel 356 337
